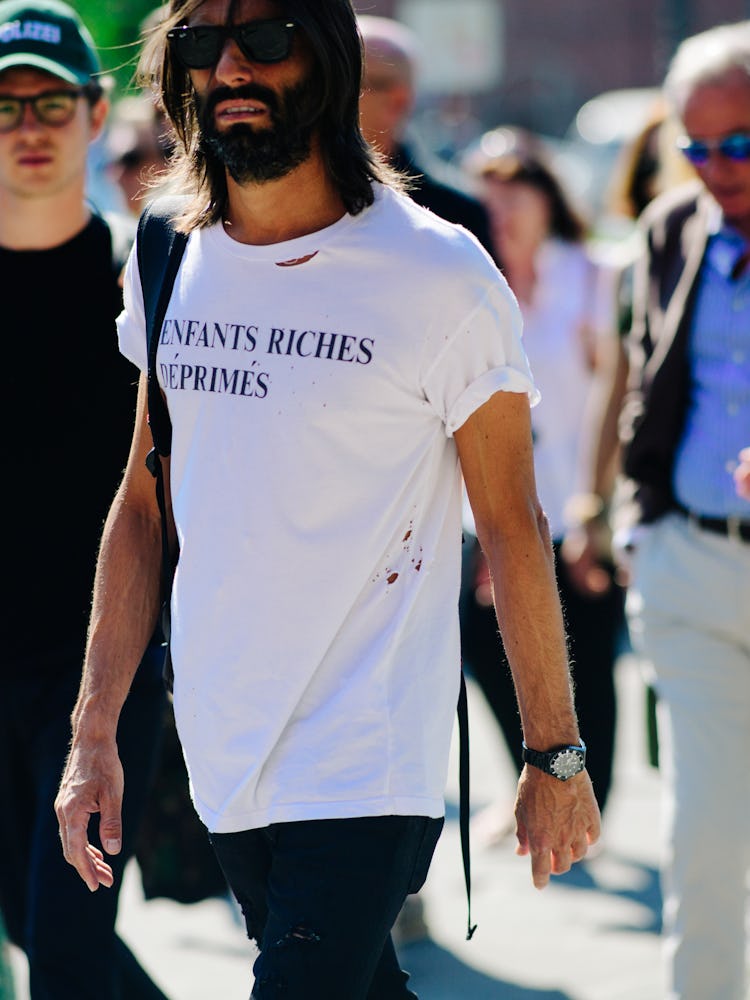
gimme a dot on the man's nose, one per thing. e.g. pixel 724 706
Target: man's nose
pixel 233 66
pixel 29 121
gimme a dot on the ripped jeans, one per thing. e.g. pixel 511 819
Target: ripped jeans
pixel 320 897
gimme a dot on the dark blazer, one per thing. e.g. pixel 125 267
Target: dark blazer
pixel 676 227
pixel 444 199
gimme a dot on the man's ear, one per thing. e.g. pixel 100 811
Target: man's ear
pixel 402 98
pixel 99 112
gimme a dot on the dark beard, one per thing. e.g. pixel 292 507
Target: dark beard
pixel 257 155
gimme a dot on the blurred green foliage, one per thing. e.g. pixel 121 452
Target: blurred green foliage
pixel 115 25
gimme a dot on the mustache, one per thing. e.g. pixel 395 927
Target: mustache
pixel 250 91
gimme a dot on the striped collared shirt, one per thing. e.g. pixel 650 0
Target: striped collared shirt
pixel 718 419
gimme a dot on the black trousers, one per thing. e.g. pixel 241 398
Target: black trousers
pixel 319 897
pixel 596 631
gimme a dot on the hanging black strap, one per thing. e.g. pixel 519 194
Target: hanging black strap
pixel 463 793
pixel 160 249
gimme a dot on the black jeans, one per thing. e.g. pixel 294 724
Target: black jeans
pixel 67 932
pixel 320 897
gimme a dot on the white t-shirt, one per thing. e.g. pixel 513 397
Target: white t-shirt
pixel 314 387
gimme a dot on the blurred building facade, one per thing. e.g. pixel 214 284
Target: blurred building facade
pixel 536 62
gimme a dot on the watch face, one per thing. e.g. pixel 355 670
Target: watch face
pixel 566 764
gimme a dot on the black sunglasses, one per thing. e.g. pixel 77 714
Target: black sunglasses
pixel 734 147
pixel 55 108
pixel 201 46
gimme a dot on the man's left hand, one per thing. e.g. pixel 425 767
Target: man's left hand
pixel 556 822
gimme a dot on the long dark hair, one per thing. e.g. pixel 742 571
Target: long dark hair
pixel 352 164
pixel 531 169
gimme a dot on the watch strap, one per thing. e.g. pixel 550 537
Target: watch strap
pixel 545 760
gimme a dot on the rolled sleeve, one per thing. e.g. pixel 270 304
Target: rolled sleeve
pixel 131 323
pixel 497 380
pixel 481 356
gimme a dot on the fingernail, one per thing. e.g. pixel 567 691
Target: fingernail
pixel 111 846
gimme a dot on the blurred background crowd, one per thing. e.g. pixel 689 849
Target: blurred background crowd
pixel 583 75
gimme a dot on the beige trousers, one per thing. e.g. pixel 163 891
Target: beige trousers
pixel 689 614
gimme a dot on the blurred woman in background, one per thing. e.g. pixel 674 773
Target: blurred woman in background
pixel 646 166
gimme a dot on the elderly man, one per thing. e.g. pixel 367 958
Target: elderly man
pixel 386 106
pixel 684 424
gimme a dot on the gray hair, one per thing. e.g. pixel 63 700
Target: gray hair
pixel 707 57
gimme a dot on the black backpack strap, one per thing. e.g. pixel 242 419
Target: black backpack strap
pixel 159 250
pixel 463 795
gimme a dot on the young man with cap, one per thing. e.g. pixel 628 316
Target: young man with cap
pixel 69 402
pixel 333 357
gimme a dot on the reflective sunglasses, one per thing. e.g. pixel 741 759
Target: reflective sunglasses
pixel 734 147
pixel 200 47
pixel 54 107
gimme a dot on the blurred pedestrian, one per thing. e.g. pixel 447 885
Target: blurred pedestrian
pixel 648 165
pixel 541 240
pixel 389 91
pixel 335 356
pixel 71 401
pixel 682 525
pixel 138 146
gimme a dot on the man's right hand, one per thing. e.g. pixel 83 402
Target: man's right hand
pixel 91 783
pixel 580 551
pixel 742 474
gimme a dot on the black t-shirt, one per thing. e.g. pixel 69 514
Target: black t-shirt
pixel 69 400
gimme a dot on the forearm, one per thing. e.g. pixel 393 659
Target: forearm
pixel 123 618
pixel 599 456
pixel 604 421
pixel 530 618
pixel 555 820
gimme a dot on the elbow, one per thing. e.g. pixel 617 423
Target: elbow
pixel 543 528
pixel 516 530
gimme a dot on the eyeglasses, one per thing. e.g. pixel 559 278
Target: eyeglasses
pixel 54 107
pixel 200 47
pixel 734 147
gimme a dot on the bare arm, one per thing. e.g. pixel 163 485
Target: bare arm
pixel 586 512
pixel 605 406
pixel 123 618
pixel 556 821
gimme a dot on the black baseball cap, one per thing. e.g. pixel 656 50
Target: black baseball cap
pixel 49 36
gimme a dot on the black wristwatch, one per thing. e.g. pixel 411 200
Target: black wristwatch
pixel 561 762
